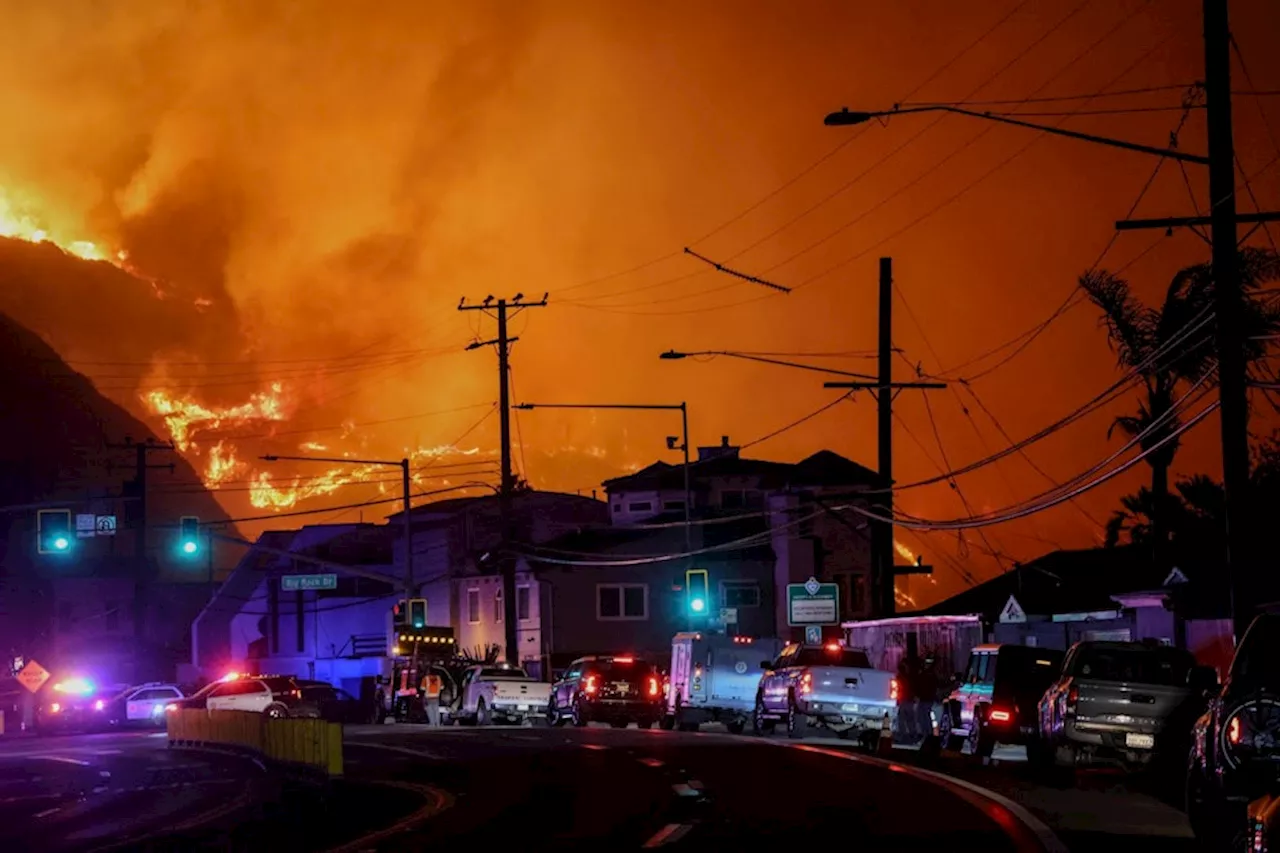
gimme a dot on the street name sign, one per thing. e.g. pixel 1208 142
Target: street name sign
pixel 813 603
pixel 295 583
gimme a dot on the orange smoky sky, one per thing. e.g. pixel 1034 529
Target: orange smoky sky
pixel 310 187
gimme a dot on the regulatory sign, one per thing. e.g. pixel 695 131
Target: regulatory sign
pixel 84 525
pixel 33 676
pixel 729 615
pixel 813 635
pixel 813 603
pixel 293 583
pixel 105 525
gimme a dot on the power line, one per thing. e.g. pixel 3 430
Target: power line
pixel 1046 99
pixel 777 432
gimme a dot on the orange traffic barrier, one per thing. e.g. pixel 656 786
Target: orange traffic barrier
pixel 310 744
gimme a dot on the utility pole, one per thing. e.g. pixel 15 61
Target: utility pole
pixel 138 487
pixel 885 390
pixel 502 310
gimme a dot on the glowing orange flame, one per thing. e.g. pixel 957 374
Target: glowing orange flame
pixel 185 417
pixel 222 465
pixel 18 225
pixel 904 552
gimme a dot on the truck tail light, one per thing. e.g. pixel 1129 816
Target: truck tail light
pixel 806 683
pixel 1073 696
pixel 893 689
pixel 653 686
pixel 999 715
pixel 590 686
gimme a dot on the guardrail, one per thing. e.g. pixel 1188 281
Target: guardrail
pixel 309 745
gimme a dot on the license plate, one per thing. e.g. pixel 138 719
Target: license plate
pixel 1140 741
pixel 522 707
pixel 851 709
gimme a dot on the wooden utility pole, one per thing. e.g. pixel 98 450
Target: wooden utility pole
pixel 885 390
pixel 501 310
pixel 137 489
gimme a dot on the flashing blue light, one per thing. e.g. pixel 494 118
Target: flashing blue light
pixel 80 686
pixel 189 547
pixel 698 605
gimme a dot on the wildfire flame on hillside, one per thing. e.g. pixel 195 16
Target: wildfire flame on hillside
pixel 18 225
pixel 184 416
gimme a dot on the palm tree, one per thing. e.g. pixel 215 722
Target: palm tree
pixel 1154 343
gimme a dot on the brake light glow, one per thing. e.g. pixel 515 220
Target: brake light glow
pixel 170 707
pixel 653 686
pixel 1233 730
pixel 590 686
pixel 744 640
pixel 1073 696
pixel 833 647
pixel 893 689
pixel 1000 716
pixel 806 683
pixel 624 660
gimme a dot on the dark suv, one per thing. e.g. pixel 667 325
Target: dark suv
pixel 996 699
pixel 609 689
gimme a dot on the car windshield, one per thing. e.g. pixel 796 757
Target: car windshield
pixel 1166 667
pixel 279 685
pixel 837 657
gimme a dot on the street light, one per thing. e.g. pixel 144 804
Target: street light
pixel 667 407
pixel 403 465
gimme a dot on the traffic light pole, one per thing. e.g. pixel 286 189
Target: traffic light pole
pixel 143 578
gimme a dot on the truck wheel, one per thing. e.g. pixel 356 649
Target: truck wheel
pixel 982 743
pixel 736 727
pixel 275 711
pixel 760 724
pixel 797 723
pixel 579 714
pixel 645 724
pixel 553 714
pixel 667 722
pixel 483 717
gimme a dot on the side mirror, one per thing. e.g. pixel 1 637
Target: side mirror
pixel 766 664
pixel 1203 679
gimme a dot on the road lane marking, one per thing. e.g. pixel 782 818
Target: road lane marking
pixel 650 762
pixel 63 759
pixel 1014 816
pixel 105 751
pixel 594 746
pixel 436 802
pixel 48 812
pixel 669 834
pixel 403 750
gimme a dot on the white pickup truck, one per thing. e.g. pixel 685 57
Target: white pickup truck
pixel 501 694
pixel 828 685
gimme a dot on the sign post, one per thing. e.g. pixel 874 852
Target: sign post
pixel 295 583
pixel 813 603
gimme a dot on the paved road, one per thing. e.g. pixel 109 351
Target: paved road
pixel 84 792
pixel 541 788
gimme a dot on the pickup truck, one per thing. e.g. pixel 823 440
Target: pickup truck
pixel 501 694
pixel 828 685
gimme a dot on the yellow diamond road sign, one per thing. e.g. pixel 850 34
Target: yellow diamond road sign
pixel 33 676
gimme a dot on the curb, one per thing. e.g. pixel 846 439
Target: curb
pixel 1028 833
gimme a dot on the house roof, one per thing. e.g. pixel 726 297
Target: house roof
pixel 1061 582
pixel 451 506
pixel 824 468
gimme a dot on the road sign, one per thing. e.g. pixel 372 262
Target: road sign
pixel 813 603
pixel 293 583
pixel 105 525
pixel 84 525
pixel 729 615
pixel 33 676
pixel 813 635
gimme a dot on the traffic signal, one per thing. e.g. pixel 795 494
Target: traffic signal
pixel 400 615
pixel 189 535
pixel 417 613
pixel 55 533
pixel 696 592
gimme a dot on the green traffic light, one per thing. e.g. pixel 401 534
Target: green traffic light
pixel 698 605
pixel 190 547
pixel 61 543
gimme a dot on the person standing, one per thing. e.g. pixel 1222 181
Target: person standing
pixel 431 687
pixel 927 694
pixel 908 667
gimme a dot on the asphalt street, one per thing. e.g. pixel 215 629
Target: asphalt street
pixel 85 792
pixel 565 788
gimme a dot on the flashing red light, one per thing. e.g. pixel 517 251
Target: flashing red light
pixel 55 707
pixel 1000 716
pixel 590 686
pixel 1233 730
pixel 624 660
pixel 653 686
pixel 170 707
pixel 230 676
pixel 893 689
pixel 833 647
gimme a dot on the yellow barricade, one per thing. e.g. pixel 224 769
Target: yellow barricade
pixel 312 744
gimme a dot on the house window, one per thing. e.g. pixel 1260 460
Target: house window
pixel 732 499
pixel 473 606
pixel 640 506
pixel 673 506
pixel 740 593
pixel 497 606
pixel 522 603
pixel 622 602
pixel 111 616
